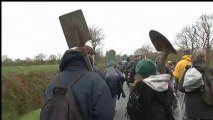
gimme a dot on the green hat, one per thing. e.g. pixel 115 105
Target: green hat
pixel 146 67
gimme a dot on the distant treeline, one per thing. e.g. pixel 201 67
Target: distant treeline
pixel 41 59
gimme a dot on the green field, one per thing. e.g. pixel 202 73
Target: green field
pixel 34 115
pixel 27 69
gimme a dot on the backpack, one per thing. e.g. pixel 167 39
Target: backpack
pixel 193 79
pixel 207 89
pixel 62 104
pixel 133 107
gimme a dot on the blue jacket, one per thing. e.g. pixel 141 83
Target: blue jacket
pixel 114 79
pixel 91 91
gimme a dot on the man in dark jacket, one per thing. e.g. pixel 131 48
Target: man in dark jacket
pixel 114 79
pixel 91 92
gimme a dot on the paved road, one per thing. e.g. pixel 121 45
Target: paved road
pixel 121 105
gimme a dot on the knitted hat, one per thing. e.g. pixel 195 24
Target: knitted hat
pixel 146 67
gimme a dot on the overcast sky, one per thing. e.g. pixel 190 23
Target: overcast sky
pixel 30 28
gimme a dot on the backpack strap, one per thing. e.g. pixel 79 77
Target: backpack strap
pixel 58 84
pixel 56 80
pixel 208 79
pixel 72 83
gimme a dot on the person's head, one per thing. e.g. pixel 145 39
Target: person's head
pixel 138 56
pixel 145 68
pixel 198 54
pixel 76 54
pixel 186 52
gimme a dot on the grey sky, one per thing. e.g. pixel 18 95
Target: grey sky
pixel 30 28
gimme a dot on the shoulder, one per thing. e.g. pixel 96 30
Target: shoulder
pixel 141 85
pixel 94 77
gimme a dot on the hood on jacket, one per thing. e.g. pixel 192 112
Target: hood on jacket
pixel 158 82
pixel 187 57
pixel 71 58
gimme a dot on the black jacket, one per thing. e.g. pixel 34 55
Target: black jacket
pixel 154 105
pixel 114 79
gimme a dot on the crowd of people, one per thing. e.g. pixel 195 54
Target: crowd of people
pixel 153 95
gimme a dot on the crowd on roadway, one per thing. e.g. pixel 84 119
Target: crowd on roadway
pixel 154 95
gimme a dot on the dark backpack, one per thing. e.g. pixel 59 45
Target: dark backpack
pixel 133 108
pixel 207 89
pixel 62 104
pixel 135 111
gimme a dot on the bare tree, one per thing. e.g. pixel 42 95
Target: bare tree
pixel 59 56
pixel 197 35
pixel 187 38
pixel 6 60
pixel 28 59
pixel 52 59
pixel 145 49
pixel 18 61
pixel 204 31
pixel 97 37
pixel 4 57
pixel 40 57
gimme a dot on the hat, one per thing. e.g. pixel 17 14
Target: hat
pixel 146 67
pixel 74 54
pixel 89 49
pixel 198 54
